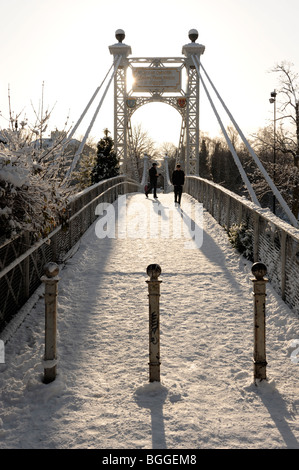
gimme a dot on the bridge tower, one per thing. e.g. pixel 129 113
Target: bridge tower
pixel 120 91
pixel 156 79
pixel 192 118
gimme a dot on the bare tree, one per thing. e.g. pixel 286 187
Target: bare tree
pixel 289 108
pixel 278 145
pixel 142 143
pixel 168 148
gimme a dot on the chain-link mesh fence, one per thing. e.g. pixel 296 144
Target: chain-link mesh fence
pixel 22 263
pixel 261 235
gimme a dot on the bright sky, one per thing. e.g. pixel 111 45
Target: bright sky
pixel 64 43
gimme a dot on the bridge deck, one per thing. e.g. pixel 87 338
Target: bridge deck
pixel 101 397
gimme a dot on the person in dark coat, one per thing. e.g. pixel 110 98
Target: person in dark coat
pixel 153 177
pixel 178 179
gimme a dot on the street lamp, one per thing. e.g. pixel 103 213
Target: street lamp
pixel 273 100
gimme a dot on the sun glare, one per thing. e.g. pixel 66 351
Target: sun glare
pixel 130 79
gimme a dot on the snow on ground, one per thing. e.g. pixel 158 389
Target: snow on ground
pixel 102 398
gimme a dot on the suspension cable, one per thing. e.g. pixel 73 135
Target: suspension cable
pixel 87 107
pixel 234 154
pixel 275 191
pixel 80 149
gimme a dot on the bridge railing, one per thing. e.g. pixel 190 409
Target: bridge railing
pixel 259 234
pixel 22 263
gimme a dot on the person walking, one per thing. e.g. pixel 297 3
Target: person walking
pixel 153 177
pixel 178 179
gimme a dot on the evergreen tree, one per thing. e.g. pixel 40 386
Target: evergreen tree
pixel 224 171
pixel 203 161
pixel 107 164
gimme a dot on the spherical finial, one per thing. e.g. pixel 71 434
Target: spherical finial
pixel 259 270
pixel 153 271
pixel 193 35
pixel 120 35
pixel 51 269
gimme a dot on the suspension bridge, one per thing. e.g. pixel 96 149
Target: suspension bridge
pixel 159 79
pixel 205 290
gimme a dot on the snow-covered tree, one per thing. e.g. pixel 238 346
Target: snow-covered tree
pixel 31 198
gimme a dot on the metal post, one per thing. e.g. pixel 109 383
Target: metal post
pixel 154 271
pixel 145 171
pixel 50 279
pixel 259 270
pixel 167 181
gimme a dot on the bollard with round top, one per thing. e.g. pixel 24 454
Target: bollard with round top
pixel 259 270
pixel 154 271
pixel 50 279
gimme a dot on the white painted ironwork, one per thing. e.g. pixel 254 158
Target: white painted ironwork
pixel 180 157
pixel 167 182
pixel 120 91
pixel 158 79
pixel 131 168
pixel 145 170
pixel 192 121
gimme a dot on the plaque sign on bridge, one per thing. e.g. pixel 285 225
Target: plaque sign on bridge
pixel 156 79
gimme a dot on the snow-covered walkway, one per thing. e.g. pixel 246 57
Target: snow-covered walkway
pixel 101 398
